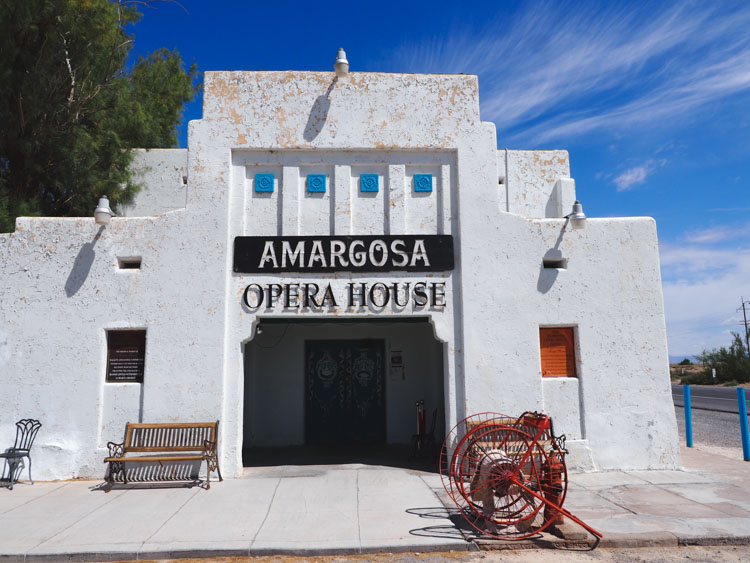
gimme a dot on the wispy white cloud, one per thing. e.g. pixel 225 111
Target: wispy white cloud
pixel 632 177
pixel 636 175
pixel 702 290
pixel 717 234
pixel 676 99
pixel 680 262
pixel 555 70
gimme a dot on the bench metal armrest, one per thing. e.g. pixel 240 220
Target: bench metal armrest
pixel 212 460
pixel 116 450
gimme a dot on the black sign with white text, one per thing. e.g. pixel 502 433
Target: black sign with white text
pixel 126 354
pixel 369 253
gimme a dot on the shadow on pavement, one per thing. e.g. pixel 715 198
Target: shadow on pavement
pixel 378 455
pixel 455 528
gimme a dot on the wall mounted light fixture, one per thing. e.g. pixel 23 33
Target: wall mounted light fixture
pixel 103 213
pixel 341 66
pixel 576 217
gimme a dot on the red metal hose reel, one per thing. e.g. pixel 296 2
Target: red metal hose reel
pixel 507 475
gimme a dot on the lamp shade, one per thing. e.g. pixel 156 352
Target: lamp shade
pixel 577 217
pixel 103 213
pixel 341 65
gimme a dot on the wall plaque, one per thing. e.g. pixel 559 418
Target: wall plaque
pixel 126 355
pixel 368 253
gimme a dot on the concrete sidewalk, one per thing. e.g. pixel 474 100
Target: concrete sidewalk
pixel 290 509
pixel 348 509
pixel 708 503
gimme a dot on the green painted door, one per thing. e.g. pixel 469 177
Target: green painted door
pixel 344 391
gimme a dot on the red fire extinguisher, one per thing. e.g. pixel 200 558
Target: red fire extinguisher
pixel 421 421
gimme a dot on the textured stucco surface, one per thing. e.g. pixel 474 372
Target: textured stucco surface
pixel 537 183
pixel 62 288
pixel 162 176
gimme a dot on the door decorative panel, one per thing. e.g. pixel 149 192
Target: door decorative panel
pixel 344 391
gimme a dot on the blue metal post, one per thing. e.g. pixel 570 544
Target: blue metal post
pixel 688 416
pixel 743 423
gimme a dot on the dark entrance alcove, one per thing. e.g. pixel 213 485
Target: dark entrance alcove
pixel 336 391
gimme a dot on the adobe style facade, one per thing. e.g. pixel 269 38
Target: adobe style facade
pixel 325 253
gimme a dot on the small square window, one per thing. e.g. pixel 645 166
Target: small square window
pixel 422 182
pixel 126 356
pixel 557 346
pixel 316 183
pixel 264 182
pixel 368 182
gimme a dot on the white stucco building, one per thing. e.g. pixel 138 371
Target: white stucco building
pixel 239 273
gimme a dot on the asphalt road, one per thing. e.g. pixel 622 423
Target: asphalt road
pixel 715 415
pixel 708 397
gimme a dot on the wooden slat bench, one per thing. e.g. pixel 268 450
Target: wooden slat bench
pixel 165 442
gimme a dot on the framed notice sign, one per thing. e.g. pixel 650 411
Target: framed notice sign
pixel 558 352
pixel 126 355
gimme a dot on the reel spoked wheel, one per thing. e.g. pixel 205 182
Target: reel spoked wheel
pixel 506 475
pixel 451 453
pixel 509 469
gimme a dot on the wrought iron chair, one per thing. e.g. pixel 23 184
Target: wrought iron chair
pixel 26 430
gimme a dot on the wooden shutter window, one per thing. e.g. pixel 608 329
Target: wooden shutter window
pixel 558 352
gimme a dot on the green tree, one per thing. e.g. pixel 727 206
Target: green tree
pixel 70 109
pixel 686 362
pixel 731 364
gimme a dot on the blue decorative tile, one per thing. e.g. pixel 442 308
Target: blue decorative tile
pixel 264 182
pixel 316 183
pixel 422 182
pixel 368 182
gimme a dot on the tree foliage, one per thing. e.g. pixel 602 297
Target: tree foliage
pixel 70 108
pixel 731 364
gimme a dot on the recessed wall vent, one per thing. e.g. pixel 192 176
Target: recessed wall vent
pixel 130 263
pixel 555 263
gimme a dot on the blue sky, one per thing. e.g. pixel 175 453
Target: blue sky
pixel 651 99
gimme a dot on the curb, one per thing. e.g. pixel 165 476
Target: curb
pixel 613 541
pixel 548 542
pixel 98 556
pixel 716 541
pixel 645 539
pixel 610 540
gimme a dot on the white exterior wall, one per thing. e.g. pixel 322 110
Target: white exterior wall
pixel 62 288
pixel 536 184
pixel 162 176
